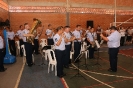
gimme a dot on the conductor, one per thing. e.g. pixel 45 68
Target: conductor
pixel 113 42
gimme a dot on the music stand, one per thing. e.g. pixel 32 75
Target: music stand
pixel 78 74
pixel 85 64
pixel 98 47
pixel 44 48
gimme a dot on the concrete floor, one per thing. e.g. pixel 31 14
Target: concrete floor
pixel 97 76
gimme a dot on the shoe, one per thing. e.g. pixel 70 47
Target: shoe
pixel 110 70
pixel 60 76
pixel 3 70
pixel 30 65
pixel 66 66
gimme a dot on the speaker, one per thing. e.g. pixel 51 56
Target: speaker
pixel 89 23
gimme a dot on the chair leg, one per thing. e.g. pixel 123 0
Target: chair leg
pixel 52 67
pixel 48 67
pixel 55 70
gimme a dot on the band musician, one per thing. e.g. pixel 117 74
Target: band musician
pixel 91 37
pixel 28 45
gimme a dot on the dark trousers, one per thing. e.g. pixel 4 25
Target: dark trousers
pixel 21 43
pixel 91 52
pixel 28 49
pixel 12 47
pixel 59 58
pixel 122 40
pixel 2 54
pixel 50 41
pixel 36 45
pixel 67 55
pixel 113 52
pixel 77 47
pixel 98 38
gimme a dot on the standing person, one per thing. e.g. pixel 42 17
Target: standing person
pixel 59 43
pixel 50 34
pixel 122 32
pixel 28 46
pixel 77 42
pixel 68 41
pixel 113 45
pixel 91 37
pixel 129 35
pixel 36 40
pixel 11 39
pixel 2 53
pixel 19 35
pixel 99 31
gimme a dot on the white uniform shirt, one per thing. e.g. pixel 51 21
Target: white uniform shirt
pixel 48 32
pixel 114 40
pixel 129 31
pixel 11 35
pixel 91 36
pixel 68 36
pixel 77 35
pixel 122 31
pixel 1 43
pixel 25 31
pixel 20 34
pixel 62 44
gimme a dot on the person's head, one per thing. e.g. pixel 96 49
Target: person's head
pixel 67 28
pixel 89 27
pixel 92 30
pixel 49 26
pixel 26 26
pixel 112 29
pixel 59 30
pixel 21 27
pixel 78 27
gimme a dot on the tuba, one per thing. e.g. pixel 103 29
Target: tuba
pixel 33 31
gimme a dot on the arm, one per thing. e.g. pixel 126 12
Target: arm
pixel 104 38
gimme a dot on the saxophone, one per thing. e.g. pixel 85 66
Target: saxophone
pixel 33 31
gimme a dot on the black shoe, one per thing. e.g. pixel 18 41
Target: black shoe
pixel 66 66
pixel 3 70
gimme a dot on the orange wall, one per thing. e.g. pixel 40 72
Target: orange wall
pixel 59 19
pixel 4 14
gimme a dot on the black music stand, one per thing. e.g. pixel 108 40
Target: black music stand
pixel 78 74
pixel 85 64
pixel 97 63
pixel 44 48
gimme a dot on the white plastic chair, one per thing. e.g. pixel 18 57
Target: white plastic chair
pixel 83 49
pixel 44 41
pixel 18 47
pixel 52 61
pixel 24 53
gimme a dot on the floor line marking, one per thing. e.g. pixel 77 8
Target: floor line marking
pixel 93 77
pixel 108 74
pixel 64 82
pixel 20 74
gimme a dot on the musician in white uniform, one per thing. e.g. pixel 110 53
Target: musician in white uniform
pixel 68 40
pixel 59 43
pixel 91 37
pixel 50 34
pixel 28 46
pixel 36 40
pixel 11 41
pixel 113 45
pixel 77 42
pixel 122 32
pixel 19 35
pixel 2 53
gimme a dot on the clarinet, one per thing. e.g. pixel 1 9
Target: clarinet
pixel 72 35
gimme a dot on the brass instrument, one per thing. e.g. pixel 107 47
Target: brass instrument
pixel 33 30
